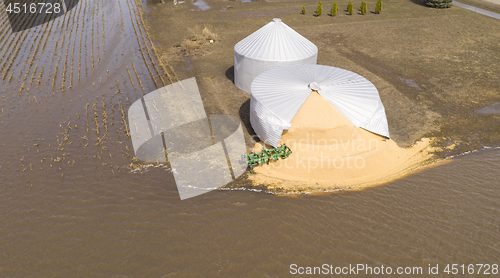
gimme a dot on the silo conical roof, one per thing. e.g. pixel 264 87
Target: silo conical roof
pixel 276 42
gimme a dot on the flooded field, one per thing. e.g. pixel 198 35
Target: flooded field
pixel 72 206
pixel 66 87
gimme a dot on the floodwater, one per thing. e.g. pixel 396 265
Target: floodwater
pixel 71 206
pixel 492 109
pixel 202 5
pixel 190 66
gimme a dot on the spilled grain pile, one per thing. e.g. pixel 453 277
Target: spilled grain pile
pixel 329 152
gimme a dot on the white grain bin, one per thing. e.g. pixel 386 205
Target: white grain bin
pixel 271 46
pixel 278 94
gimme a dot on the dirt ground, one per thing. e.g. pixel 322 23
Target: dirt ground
pixel 433 68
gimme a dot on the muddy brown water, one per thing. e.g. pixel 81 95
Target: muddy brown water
pixel 136 226
pixel 71 207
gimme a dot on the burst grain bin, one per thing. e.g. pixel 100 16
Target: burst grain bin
pixel 278 94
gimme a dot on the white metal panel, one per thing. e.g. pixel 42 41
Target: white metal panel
pixel 282 91
pixel 247 69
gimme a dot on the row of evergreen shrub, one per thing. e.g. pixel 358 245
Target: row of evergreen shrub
pixel 335 8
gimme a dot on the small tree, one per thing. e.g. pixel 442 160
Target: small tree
pixel 319 9
pixel 378 7
pixel 439 3
pixel 364 8
pixel 349 8
pixel 303 10
pixel 335 9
